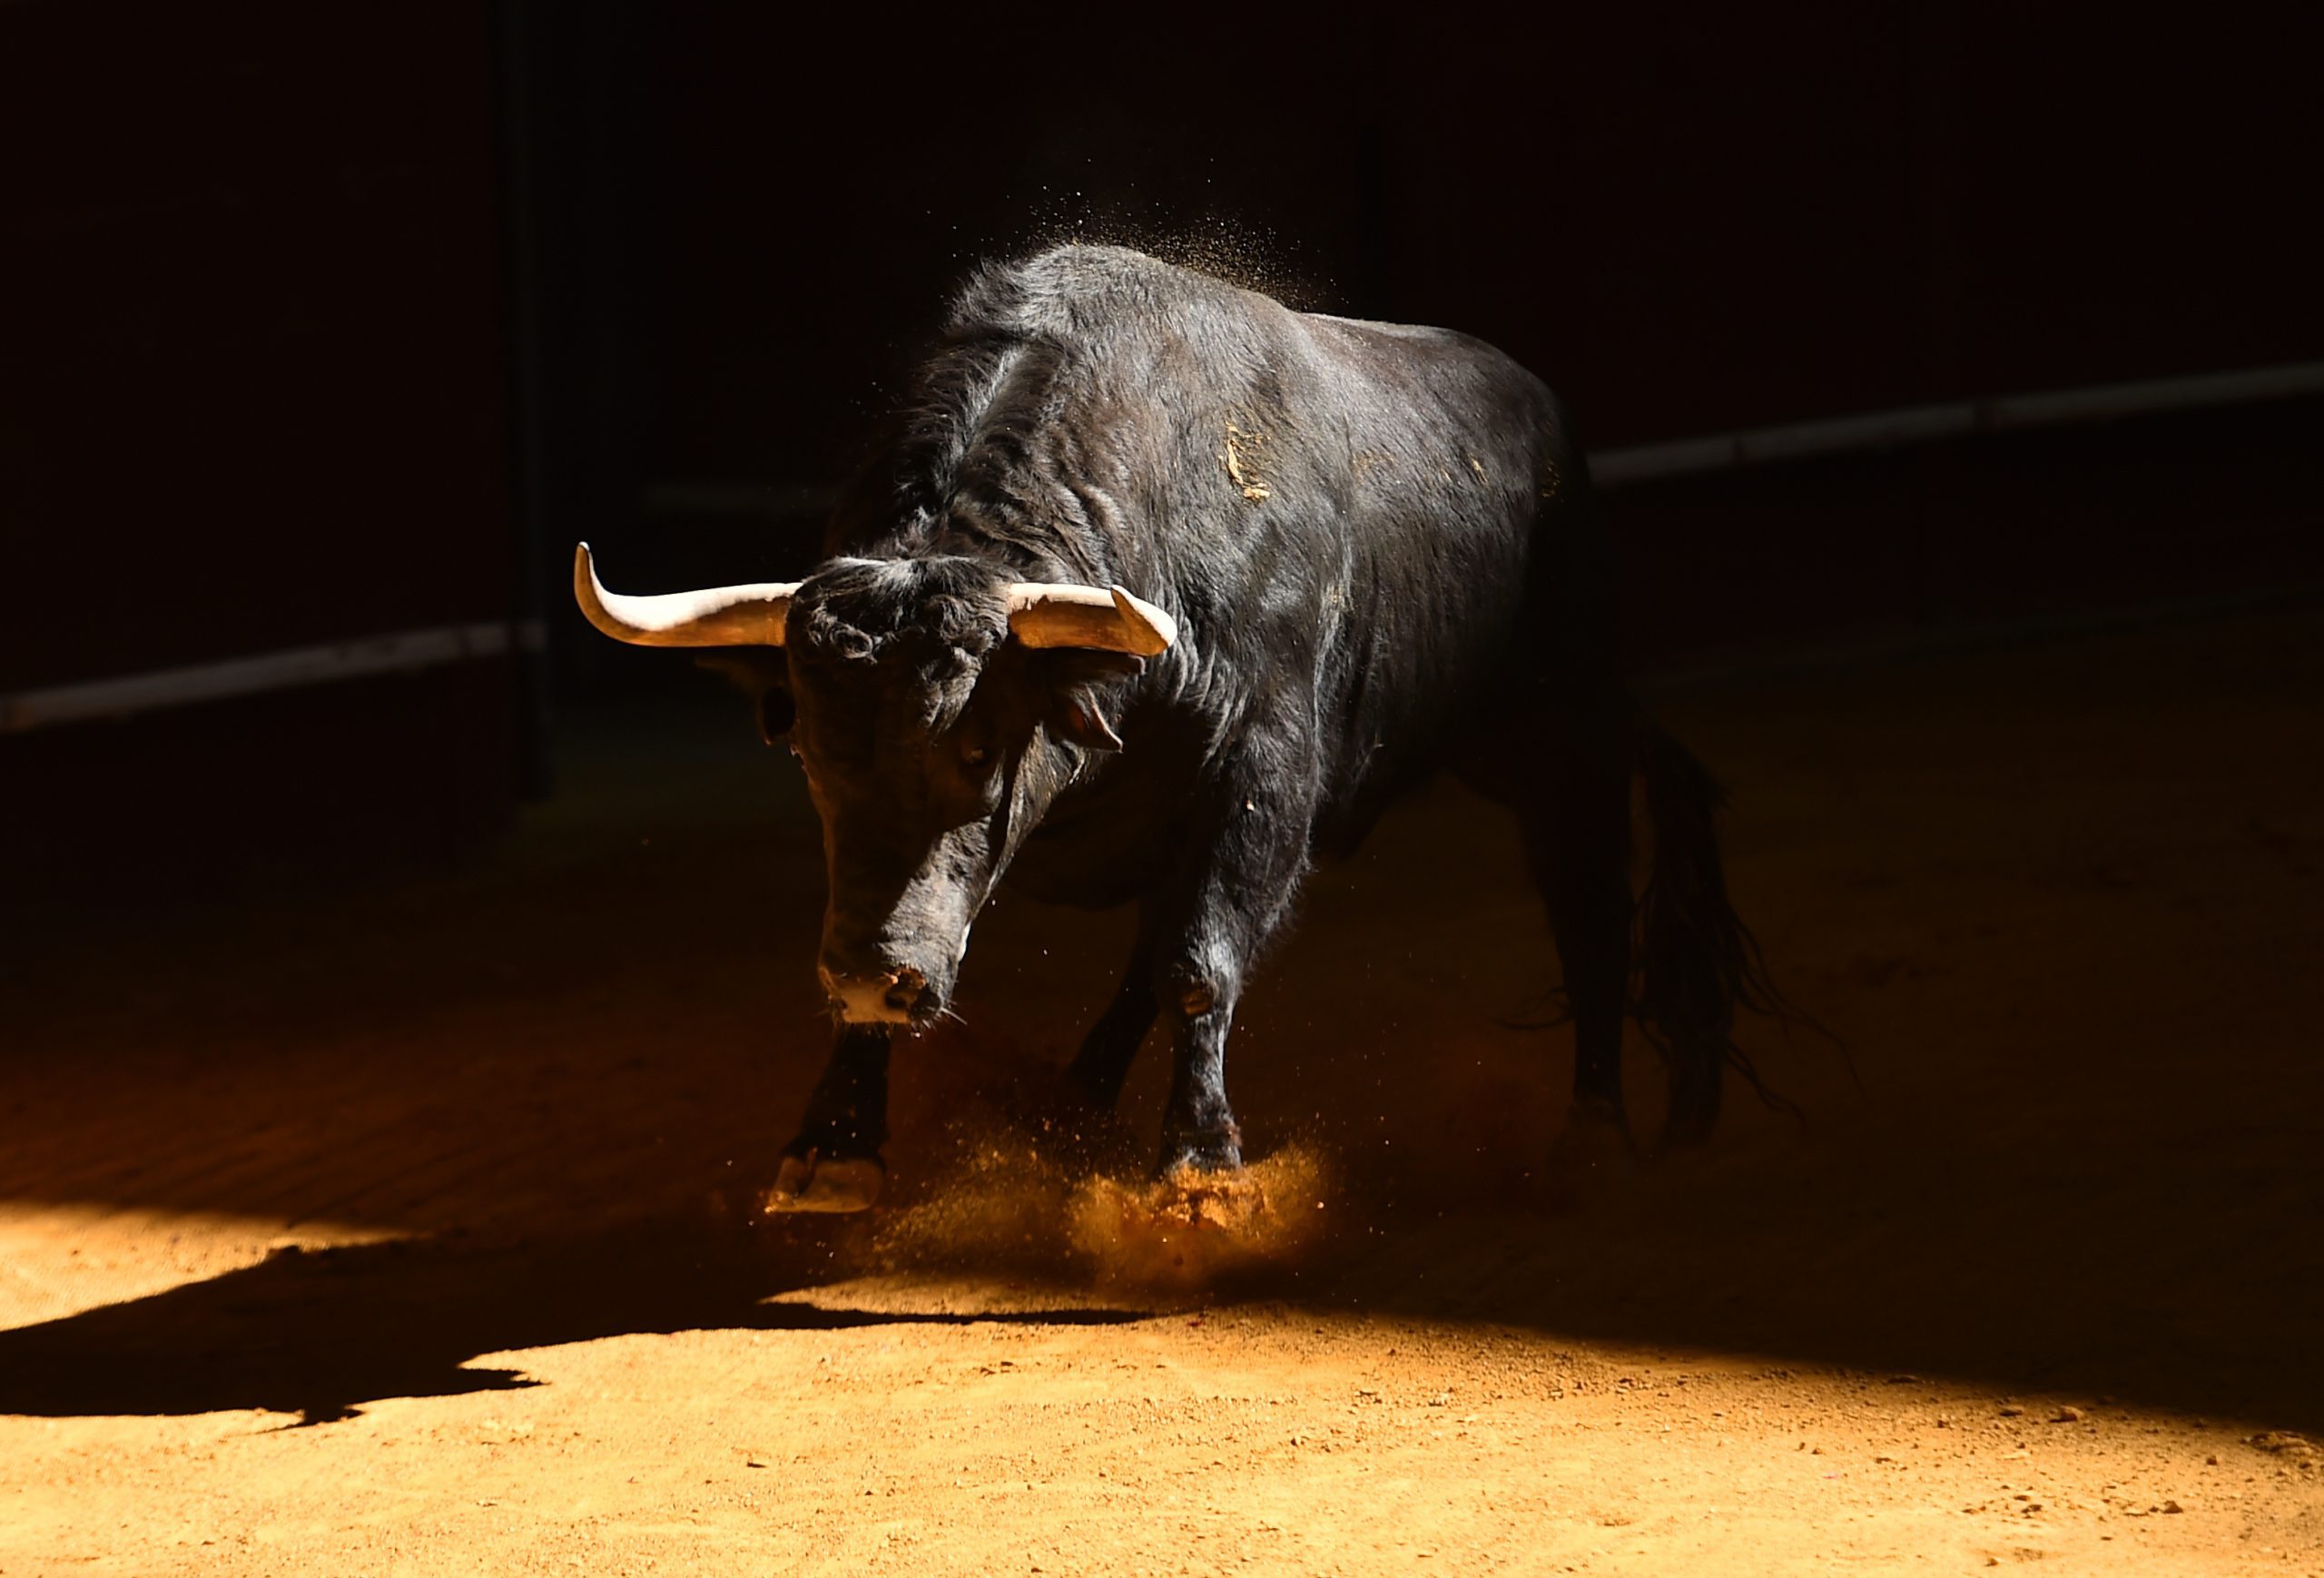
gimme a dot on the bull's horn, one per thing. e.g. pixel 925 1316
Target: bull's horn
pixel 751 615
pixel 1063 614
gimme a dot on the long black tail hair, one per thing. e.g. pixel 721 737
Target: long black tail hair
pixel 1694 961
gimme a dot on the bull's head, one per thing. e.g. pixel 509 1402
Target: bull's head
pixel 938 708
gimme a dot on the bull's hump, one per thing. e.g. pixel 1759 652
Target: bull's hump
pixel 1075 292
pixel 1075 270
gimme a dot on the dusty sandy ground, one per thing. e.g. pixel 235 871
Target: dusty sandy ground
pixel 404 1233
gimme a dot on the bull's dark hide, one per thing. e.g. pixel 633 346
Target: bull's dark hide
pixel 1380 548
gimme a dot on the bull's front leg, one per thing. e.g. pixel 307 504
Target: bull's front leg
pixel 1230 896
pixel 833 1163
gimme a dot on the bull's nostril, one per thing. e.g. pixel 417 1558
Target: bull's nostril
pixel 904 990
pixel 905 986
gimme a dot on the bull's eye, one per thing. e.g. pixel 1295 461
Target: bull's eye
pixel 974 755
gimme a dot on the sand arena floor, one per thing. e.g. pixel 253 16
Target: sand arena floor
pixel 403 1233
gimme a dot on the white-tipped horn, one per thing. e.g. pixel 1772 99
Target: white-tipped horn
pixel 1107 618
pixel 749 615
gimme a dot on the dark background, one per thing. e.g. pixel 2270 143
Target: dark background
pixel 324 322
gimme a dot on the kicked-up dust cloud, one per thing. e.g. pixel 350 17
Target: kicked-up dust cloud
pixel 1008 1204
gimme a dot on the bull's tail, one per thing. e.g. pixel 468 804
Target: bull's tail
pixel 1695 961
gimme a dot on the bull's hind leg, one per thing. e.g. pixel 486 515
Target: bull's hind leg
pixel 1578 841
pixel 1107 1052
pixel 833 1163
pixel 1698 963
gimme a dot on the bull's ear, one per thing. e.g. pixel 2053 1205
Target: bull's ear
pixel 1080 719
pixel 761 674
pixel 1080 702
pixel 776 715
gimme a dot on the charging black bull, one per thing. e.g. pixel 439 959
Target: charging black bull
pixel 1161 589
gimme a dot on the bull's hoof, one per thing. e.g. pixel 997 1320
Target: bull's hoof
pixel 831 1184
pixel 1214 1152
pixel 1593 1157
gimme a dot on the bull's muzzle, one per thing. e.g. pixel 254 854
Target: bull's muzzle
pixel 891 996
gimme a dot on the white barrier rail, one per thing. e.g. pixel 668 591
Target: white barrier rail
pixel 401 652
pixel 1922 424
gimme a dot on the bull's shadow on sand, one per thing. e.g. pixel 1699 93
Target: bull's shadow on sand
pixel 320 1332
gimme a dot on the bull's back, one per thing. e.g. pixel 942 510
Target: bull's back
pixel 1365 521
pixel 1447 485
pixel 1357 521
